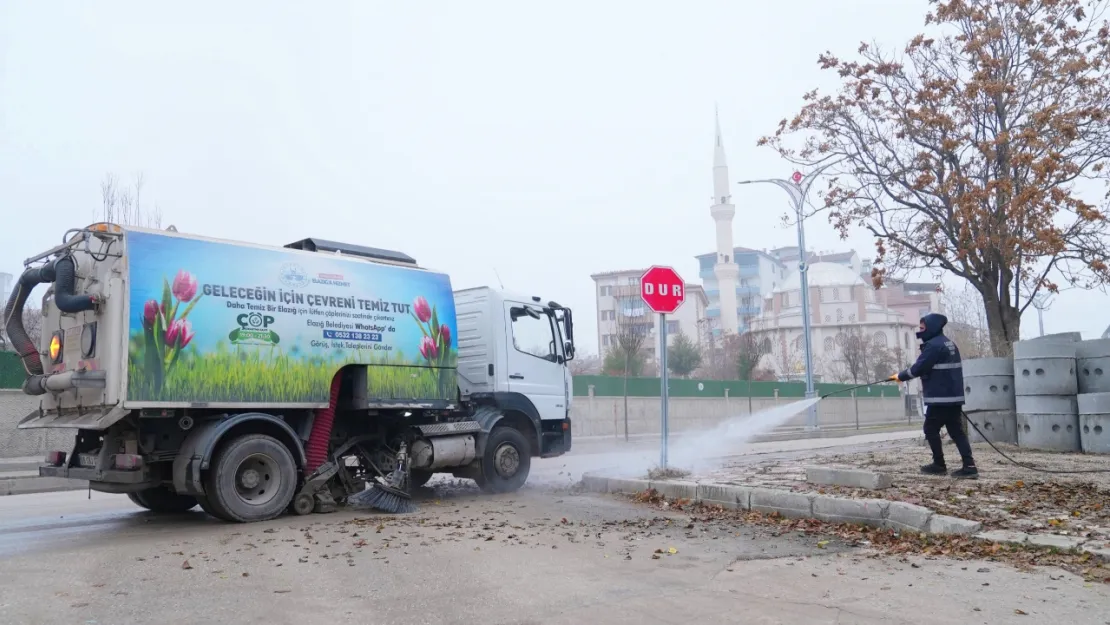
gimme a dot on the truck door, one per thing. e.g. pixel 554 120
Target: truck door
pixel 535 359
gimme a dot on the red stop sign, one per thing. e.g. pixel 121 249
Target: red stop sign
pixel 662 289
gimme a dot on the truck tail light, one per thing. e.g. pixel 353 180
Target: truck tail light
pixel 56 347
pixel 55 458
pixel 127 462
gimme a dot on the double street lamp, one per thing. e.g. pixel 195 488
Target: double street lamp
pixel 797 187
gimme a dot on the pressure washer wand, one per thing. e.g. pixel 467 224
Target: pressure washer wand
pixel 854 388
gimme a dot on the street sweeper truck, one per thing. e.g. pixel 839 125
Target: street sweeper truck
pixel 254 380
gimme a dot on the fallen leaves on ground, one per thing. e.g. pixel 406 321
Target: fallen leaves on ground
pixel 890 542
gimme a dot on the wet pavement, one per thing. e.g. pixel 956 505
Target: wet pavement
pixel 547 554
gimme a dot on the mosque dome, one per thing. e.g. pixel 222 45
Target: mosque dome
pixel 822 275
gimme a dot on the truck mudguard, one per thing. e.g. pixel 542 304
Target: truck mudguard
pixel 196 452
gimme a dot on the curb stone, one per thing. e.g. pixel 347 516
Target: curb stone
pixel 894 515
pixel 31 485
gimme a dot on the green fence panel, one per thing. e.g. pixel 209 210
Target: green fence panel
pixel 608 386
pixel 11 370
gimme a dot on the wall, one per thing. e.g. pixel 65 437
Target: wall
pixel 14 405
pixel 604 416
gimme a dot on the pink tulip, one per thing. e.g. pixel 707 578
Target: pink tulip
pixel 421 308
pixel 179 333
pixel 445 333
pixel 428 348
pixel 184 286
pixel 151 311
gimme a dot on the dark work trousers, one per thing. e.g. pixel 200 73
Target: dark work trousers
pixel 948 416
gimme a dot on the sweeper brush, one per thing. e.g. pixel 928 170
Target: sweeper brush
pixel 391 496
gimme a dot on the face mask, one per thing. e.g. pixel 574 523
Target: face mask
pixel 921 335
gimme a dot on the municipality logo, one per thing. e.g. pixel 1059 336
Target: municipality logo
pixel 293 275
pixel 254 329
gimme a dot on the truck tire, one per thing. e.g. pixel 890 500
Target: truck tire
pixel 252 478
pixel 162 500
pixel 506 461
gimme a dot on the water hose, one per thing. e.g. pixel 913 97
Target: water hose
pixel 1022 464
pixel 854 388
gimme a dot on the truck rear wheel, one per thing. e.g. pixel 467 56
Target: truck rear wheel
pixel 506 461
pixel 252 478
pixel 163 500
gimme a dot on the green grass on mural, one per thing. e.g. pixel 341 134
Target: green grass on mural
pixel 256 376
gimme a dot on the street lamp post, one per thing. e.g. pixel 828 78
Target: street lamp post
pixel 797 188
pixel 1042 302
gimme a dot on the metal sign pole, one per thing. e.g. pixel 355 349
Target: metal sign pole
pixel 663 384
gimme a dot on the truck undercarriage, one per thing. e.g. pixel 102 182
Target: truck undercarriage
pixel 255 466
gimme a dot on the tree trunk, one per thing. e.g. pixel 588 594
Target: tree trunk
pixel 1003 324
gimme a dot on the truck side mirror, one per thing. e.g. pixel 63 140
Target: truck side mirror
pixel 568 349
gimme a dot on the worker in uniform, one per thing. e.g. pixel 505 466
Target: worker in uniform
pixel 942 388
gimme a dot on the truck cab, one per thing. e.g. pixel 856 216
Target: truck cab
pixel 513 351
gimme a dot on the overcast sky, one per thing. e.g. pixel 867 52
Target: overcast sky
pixel 545 144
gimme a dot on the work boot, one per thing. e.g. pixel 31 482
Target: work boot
pixel 934 469
pixel 966 473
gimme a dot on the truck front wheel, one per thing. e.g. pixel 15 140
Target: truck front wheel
pixel 162 500
pixel 252 478
pixel 506 461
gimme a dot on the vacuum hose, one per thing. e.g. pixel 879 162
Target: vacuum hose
pixel 63 273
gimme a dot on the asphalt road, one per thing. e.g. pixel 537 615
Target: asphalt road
pixel 545 555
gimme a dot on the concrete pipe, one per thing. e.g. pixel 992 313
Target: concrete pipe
pixel 1066 337
pixel 1045 368
pixel 1092 361
pixel 1094 423
pixel 989 385
pixel 1048 422
pixel 1000 426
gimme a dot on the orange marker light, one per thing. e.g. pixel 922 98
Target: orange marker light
pixel 55 347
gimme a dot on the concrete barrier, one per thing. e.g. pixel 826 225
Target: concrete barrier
pixel 1094 423
pixel 1048 422
pixel 1093 364
pixel 1000 426
pixel 1045 367
pixel 988 384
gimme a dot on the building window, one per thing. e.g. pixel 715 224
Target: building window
pixel 672 327
pixel 841 339
pixel 829 343
pixel 836 294
pixel 880 339
pixel 606 291
pixel 906 335
pixel 852 318
pixel 608 315
pixel 839 315
pixel 828 318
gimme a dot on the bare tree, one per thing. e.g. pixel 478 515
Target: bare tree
pixel 585 364
pixel 855 353
pixel 630 328
pixel 32 323
pixel 967 322
pixel 966 148
pixel 123 205
pixel 788 355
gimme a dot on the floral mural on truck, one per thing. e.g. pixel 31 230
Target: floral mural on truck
pixel 219 323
